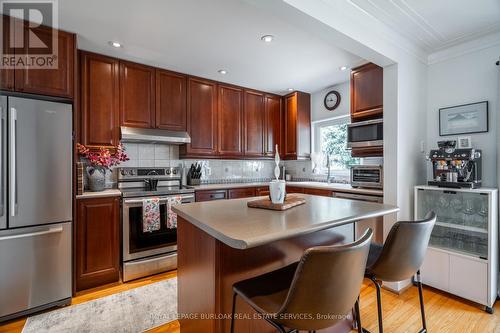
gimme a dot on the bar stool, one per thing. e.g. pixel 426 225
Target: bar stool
pixel 310 295
pixel 400 258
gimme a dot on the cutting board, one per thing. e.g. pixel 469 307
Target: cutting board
pixel 291 200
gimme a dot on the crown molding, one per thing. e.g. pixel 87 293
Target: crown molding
pixel 471 46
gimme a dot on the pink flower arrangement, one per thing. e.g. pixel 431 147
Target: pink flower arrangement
pixel 103 158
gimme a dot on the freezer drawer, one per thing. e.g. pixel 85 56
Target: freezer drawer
pixel 35 267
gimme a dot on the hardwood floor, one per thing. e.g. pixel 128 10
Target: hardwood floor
pixel 445 313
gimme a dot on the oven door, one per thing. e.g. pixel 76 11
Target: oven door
pixel 365 134
pixel 138 244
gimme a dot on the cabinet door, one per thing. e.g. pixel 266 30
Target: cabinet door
pixel 294 189
pixel 230 121
pixel 264 190
pixel 254 115
pixel 272 124
pixel 436 269
pixel 366 92
pixel 210 195
pixel 6 75
pixel 291 126
pixel 318 191
pixel 170 100
pixel 99 100
pixel 236 193
pixel 469 278
pixel 97 242
pixel 137 95
pixel 54 82
pixel 201 118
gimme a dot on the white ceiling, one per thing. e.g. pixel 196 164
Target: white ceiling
pixel 436 24
pixel 201 37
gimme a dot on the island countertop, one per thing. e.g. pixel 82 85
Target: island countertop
pixel 241 227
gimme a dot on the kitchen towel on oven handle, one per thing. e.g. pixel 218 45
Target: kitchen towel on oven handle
pixel 151 215
pixel 171 216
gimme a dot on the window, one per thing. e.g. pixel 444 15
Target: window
pixel 330 139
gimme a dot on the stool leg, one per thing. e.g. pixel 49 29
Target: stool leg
pixel 232 312
pixel 421 297
pixel 358 316
pixel 379 305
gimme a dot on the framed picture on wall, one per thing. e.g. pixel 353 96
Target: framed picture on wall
pixel 464 119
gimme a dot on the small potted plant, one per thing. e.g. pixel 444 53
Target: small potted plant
pixel 99 162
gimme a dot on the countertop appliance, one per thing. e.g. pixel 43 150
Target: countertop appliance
pixel 455 168
pixel 368 133
pixel 367 176
pixel 36 141
pixel 147 253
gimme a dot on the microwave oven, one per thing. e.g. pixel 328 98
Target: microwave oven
pixel 368 176
pixel 365 134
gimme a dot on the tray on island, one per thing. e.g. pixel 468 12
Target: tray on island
pixel 291 200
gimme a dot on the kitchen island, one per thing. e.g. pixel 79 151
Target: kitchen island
pixel 222 242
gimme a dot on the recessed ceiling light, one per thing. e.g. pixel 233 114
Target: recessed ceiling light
pixel 267 38
pixel 290 89
pixel 115 44
pixel 343 68
pixel 222 71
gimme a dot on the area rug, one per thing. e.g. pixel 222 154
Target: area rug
pixel 131 311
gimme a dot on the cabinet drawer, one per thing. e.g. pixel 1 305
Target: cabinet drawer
pixel 435 270
pixel 264 190
pixel 469 278
pixel 294 189
pixel 211 195
pixel 318 191
pixel 241 193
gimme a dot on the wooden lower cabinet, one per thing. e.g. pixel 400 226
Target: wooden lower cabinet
pixel 210 195
pixel 237 193
pixel 318 191
pixel 294 189
pixel 97 242
pixel 264 190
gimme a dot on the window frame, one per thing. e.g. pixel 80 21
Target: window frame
pixel 316 144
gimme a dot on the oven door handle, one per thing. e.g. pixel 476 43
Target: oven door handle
pixel 139 201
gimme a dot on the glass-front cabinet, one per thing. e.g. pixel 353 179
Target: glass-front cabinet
pixel 463 250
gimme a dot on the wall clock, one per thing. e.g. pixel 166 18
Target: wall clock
pixel 332 100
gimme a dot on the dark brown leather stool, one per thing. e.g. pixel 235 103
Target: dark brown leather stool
pixel 314 293
pixel 400 258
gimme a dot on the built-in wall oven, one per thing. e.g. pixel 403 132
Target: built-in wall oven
pixel 368 133
pixel 150 252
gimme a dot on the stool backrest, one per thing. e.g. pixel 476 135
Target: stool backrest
pixel 404 249
pixel 326 285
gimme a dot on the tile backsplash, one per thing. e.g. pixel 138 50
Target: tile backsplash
pixel 214 171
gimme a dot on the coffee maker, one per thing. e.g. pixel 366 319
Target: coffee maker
pixel 456 168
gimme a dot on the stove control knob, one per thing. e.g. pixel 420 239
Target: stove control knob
pixel 123 172
pixel 174 171
pixel 168 171
pixel 131 172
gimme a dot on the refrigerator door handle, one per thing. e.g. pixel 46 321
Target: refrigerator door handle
pixel 56 230
pixel 13 158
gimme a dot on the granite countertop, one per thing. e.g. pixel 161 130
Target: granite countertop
pixel 310 184
pixel 240 227
pixel 113 192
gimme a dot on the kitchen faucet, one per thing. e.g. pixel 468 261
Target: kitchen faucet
pixel 329 178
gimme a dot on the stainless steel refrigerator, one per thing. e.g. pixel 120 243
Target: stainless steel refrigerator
pixel 35 205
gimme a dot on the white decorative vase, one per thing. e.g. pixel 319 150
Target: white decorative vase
pixel 277 191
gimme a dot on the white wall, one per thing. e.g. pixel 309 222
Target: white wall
pixel 318 110
pixel 469 78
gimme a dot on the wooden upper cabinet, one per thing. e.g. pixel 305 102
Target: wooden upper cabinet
pixel 230 120
pixel 6 75
pixel 254 116
pixel 366 92
pixel 170 100
pixel 99 84
pixel 272 125
pixel 137 95
pixel 53 82
pixel 297 126
pixel 201 118
pixel 97 242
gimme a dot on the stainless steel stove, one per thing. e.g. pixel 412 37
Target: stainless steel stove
pixel 147 253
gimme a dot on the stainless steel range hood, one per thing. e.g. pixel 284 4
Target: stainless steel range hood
pixel 147 135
